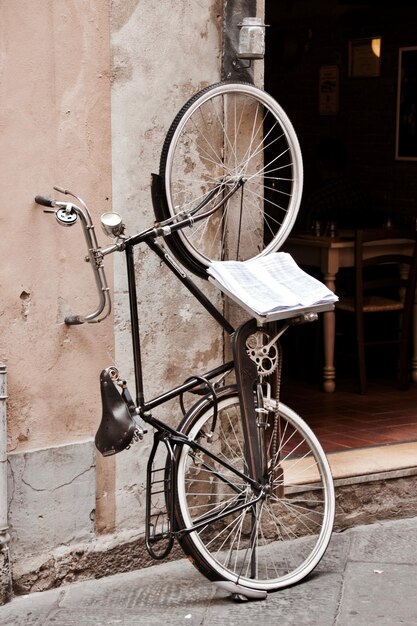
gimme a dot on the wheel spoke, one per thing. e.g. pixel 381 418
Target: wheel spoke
pixel 274 542
pixel 227 133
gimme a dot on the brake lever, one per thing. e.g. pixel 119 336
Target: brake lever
pixel 65 212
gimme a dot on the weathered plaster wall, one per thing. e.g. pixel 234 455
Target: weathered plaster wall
pixel 75 114
pixel 55 129
pixel 56 72
pixel 162 54
pixel 51 500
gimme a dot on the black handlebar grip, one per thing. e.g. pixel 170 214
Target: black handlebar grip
pixel 44 201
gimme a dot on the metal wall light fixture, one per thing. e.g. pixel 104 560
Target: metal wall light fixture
pixel 251 39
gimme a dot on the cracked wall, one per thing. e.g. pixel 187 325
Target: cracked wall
pixel 55 128
pixel 51 500
pixel 162 54
pixel 86 103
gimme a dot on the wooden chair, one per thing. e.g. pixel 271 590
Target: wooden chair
pixel 385 282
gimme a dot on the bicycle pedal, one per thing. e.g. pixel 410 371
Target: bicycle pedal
pixel 239 592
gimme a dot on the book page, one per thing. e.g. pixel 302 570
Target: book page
pixel 306 289
pixel 270 283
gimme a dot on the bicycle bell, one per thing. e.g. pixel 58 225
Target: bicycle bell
pixel 112 224
pixel 66 215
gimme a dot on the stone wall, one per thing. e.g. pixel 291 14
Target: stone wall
pixel 55 127
pixel 88 92
pixel 162 54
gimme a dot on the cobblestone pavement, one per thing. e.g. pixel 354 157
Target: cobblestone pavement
pixel 368 576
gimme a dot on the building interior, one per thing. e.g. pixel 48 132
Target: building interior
pixel 340 70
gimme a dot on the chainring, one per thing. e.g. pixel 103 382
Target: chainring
pixel 262 351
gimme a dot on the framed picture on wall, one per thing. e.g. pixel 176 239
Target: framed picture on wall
pixel 406 135
pixel 365 57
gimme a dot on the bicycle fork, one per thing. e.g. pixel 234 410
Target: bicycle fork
pixel 257 358
pixel 254 415
pixel 254 425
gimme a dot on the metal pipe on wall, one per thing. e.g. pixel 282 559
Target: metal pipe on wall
pixel 234 12
pixel 5 577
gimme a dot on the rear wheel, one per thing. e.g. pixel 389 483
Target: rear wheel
pixel 269 544
pixel 226 133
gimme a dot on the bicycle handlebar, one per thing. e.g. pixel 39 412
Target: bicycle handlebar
pixel 67 213
pixel 44 201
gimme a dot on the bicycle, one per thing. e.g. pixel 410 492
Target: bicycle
pixel 245 486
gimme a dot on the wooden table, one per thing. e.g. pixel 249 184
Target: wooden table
pixel 329 254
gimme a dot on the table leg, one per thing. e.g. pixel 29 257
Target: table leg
pixel 414 358
pixel 329 332
pixel 404 274
pixel 329 370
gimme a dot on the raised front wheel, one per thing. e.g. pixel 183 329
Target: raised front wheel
pixel 226 133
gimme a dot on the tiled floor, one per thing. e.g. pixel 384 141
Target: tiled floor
pixel 361 434
pixel 347 420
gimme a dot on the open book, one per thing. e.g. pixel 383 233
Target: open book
pixel 271 287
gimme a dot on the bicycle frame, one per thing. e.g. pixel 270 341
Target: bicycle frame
pixel 172 439
pixel 196 292
pixel 245 369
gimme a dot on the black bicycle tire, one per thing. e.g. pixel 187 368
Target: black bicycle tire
pixel 199 558
pixel 162 210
